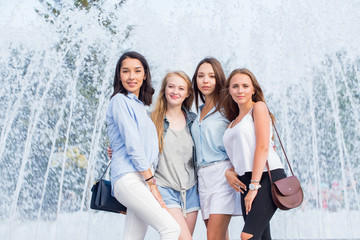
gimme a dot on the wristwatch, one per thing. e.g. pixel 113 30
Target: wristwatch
pixel 254 187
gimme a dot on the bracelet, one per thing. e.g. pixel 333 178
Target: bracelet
pixel 257 181
pixel 149 178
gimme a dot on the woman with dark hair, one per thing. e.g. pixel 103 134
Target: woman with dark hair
pixel 218 200
pixel 248 143
pixel 135 152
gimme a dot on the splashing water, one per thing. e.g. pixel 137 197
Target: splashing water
pixel 56 68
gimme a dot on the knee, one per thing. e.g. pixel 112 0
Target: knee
pixel 210 237
pixel 214 236
pixel 246 236
pixel 172 231
pixel 177 230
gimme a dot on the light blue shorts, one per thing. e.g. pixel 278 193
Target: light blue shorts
pixel 172 198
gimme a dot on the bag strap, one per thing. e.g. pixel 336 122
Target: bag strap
pixel 267 165
pixel 105 170
pixel 282 147
pixel 287 160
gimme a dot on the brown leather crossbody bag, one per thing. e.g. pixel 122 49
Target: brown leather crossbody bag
pixel 287 192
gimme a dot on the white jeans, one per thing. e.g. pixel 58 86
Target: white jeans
pixel 143 209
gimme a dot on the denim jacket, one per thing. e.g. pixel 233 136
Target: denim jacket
pixel 190 117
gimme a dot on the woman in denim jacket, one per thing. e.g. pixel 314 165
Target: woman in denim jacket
pixel 175 175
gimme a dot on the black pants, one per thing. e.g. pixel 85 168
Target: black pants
pixel 257 222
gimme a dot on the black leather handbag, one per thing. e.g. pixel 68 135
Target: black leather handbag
pixel 101 198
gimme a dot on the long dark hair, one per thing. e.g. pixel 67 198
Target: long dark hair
pixel 229 106
pixel 220 82
pixel 146 90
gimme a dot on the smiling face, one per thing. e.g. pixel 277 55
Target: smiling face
pixel 132 75
pixel 205 79
pixel 241 88
pixel 176 90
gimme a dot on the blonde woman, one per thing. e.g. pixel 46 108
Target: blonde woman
pixel 175 175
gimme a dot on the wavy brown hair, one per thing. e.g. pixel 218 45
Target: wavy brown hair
pixel 220 82
pixel 159 112
pixel 146 90
pixel 229 106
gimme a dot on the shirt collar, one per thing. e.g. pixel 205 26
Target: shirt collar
pixel 210 112
pixel 133 96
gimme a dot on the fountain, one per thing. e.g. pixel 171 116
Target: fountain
pixel 56 69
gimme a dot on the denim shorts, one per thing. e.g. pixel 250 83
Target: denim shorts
pixel 172 198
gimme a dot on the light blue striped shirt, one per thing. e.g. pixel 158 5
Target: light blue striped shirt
pixel 208 137
pixel 132 136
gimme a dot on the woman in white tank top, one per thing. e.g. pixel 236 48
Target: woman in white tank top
pixel 248 143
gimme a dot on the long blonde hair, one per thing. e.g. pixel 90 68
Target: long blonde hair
pixel 158 115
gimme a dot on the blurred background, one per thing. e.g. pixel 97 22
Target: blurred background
pixel 57 63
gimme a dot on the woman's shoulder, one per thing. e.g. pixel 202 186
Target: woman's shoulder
pixel 189 114
pixel 260 106
pixel 118 100
pixel 121 101
pixel 260 110
pixel 118 97
pixel 217 119
pixel 219 115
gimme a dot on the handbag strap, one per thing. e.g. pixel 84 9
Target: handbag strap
pixel 267 165
pixel 105 170
pixel 287 160
pixel 282 147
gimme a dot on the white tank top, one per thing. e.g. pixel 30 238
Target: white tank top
pixel 240 142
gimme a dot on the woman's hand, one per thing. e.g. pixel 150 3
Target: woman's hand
pixel 155 192
pixel 249 198
pixel 109 152
pixel 235 183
